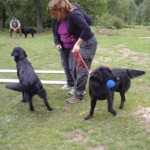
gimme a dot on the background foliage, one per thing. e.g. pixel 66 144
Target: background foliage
pixel 119 12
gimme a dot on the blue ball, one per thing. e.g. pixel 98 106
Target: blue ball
pixel 111 84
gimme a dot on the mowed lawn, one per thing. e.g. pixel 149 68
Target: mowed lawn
pixel 64 128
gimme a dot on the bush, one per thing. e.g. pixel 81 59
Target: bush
pixel 110 22
pixel 118 23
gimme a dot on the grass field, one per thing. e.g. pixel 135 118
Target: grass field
pixel 64 128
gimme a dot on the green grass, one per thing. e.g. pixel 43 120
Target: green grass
pixel 64 128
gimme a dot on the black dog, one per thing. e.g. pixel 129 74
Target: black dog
pixel 29 82
pixel 99 90
pixel 27 31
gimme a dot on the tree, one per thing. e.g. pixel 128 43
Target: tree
pixel 124 9
pixel 24 11
pixel 132 12
pixel 3 5
pixel 33 12
pixel 2 14
pixel 139 17
pixel 7 6
pixel 138 2
pixel 146 12
pixel 38 16
pixel 94 8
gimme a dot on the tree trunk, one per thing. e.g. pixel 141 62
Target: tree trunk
pixel 38 16
pixel 3 17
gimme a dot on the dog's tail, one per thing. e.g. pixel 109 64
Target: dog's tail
pixel 17 87
pixel 132 73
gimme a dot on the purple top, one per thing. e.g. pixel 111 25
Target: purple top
pixel 66 38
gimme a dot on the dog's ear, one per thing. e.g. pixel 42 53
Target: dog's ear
pixel 24 53
pixel 97 75
pixel 106 71
pixel 19 53
pixel 109 74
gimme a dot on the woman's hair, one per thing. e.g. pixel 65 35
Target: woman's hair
pixel 59 9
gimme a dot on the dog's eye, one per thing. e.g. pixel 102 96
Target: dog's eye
pixel 106 70
pixel 109 70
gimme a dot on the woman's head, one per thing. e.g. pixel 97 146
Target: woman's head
pixel 59 9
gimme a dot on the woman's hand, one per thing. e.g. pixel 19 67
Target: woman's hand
pixel 76 47
pixel 59 47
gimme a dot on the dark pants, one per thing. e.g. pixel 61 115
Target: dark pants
pixel 17 31
pixel 67 63
pixel 87 50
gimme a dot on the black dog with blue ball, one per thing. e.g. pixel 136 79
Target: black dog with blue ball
pixel 104 82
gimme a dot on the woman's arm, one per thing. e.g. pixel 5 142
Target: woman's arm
pixel 55 33
pixel 77 18
pixel 76 47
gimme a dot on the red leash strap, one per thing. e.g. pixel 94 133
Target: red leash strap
pixel 76 55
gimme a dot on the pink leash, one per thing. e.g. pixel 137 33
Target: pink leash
pixel 76 57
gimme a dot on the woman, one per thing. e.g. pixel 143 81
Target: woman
pixel 77 26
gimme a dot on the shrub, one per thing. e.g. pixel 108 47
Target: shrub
pixel 118 23
pixel 110 22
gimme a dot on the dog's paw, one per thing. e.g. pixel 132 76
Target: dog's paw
pixel 114 113
pixel 50 109
pixel 23 101
pixel 32 109
pixel 88 117
pixel 121 107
